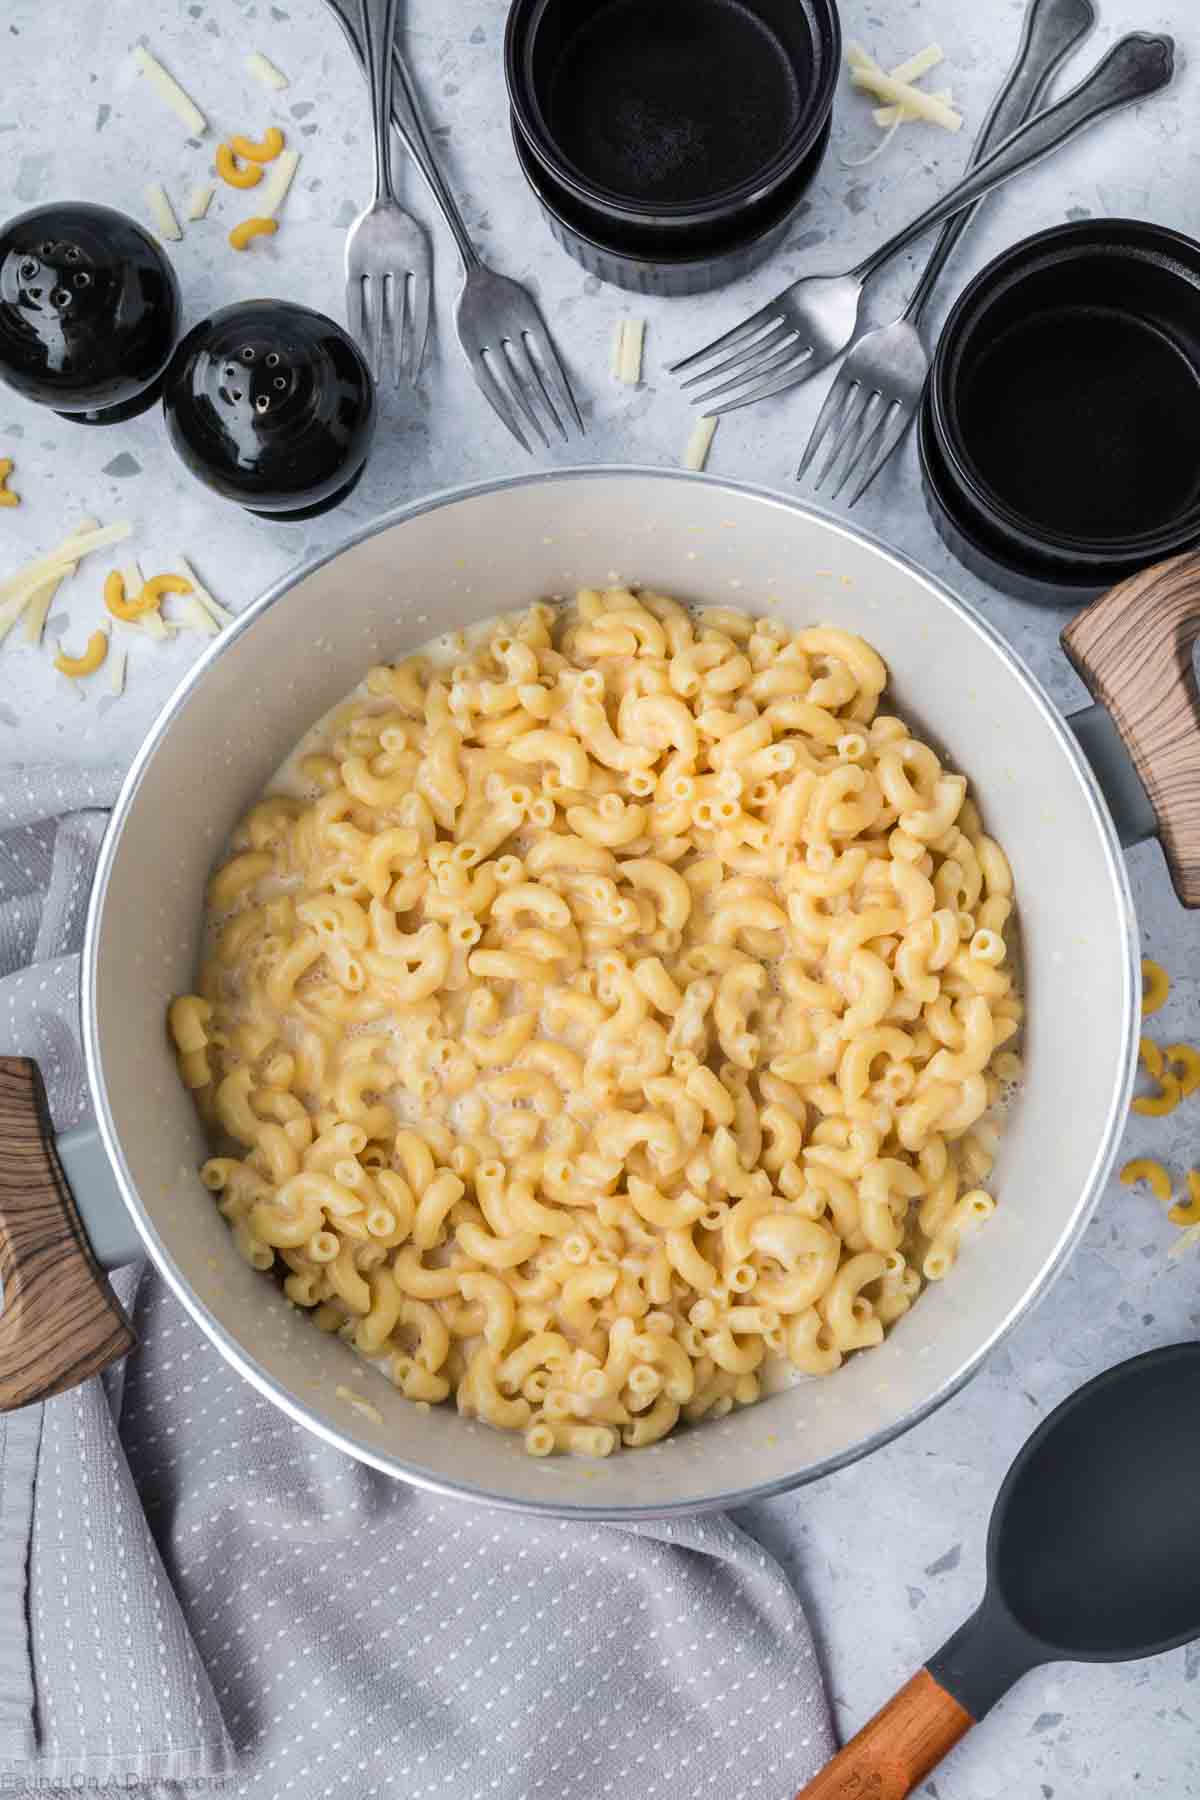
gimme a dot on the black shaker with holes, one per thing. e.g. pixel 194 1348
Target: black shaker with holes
pixel 89 311
pixel 272 405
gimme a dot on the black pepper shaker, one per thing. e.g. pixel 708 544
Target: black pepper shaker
pixel 272 405
pixel 89 311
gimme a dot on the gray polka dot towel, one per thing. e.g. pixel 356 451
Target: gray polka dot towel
pixel 197 1595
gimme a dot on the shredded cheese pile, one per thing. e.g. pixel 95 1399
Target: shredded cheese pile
pixel 1176 1070
pixel 905 103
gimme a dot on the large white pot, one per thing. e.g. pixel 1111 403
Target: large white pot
pixel 447 562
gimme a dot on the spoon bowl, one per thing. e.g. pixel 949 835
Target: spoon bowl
pixel 1091 1558
pixel 1092 1547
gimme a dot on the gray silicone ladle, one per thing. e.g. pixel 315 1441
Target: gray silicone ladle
pixel 1092 1557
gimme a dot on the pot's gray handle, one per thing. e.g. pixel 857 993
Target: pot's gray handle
pixel 93 1182
pixel 1120 783
pixel 61 1321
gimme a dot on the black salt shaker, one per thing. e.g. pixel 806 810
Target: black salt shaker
pixel 272 405
pixel 89 311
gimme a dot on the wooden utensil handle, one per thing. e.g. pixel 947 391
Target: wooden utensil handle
pixel 61 1321
pixel 897 1748
pixel 1133 647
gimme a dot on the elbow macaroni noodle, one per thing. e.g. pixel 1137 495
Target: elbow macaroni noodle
pixel 605 1019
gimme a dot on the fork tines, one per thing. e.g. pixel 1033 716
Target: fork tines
pixel 387 314
pixel 865 426
pixel 524 382
pixel 769 354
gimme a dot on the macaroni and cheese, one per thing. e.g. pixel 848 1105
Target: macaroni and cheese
pixel 605 1015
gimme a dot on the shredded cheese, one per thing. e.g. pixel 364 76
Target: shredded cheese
pixel 169 90
pixel 273 192
pixel 200 201
pixel 116 675
pixel 10 612
pixel 898 88
pixel 884 116
pixel 60 561
pixel 913 67
pixel 860 162
pixel 42 597
pixel 1187 1240
pixel 195 617
pixel 163 213
pixel 696 454
pixel 39 605
pixel 265 70
pixel 219 614
pixel 902 93
pixel 627 351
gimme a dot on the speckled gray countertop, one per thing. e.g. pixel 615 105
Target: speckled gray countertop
pixel 888 1555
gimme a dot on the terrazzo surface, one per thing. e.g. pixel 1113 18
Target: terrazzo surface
pixel 888 1554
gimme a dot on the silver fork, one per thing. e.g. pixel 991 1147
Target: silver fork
pixel 809 323
pixel 500 329
pixel 388 264
pixel 874 395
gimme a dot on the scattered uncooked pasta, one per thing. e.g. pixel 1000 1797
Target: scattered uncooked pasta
pixel 1175 1069
pixel 242 235
pixel 1156 985
pixel 1187 1212
pixel 89 660
pixel 603 1014
pixel 232 172
pixel 1156 1178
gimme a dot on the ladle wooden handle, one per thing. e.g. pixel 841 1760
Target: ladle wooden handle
pixel 896 1749
pixel 61 1321
pixel 1133 647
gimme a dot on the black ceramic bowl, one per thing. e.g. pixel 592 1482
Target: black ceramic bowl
pixel 1059 432
pixel 642 266
pixel 669 144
